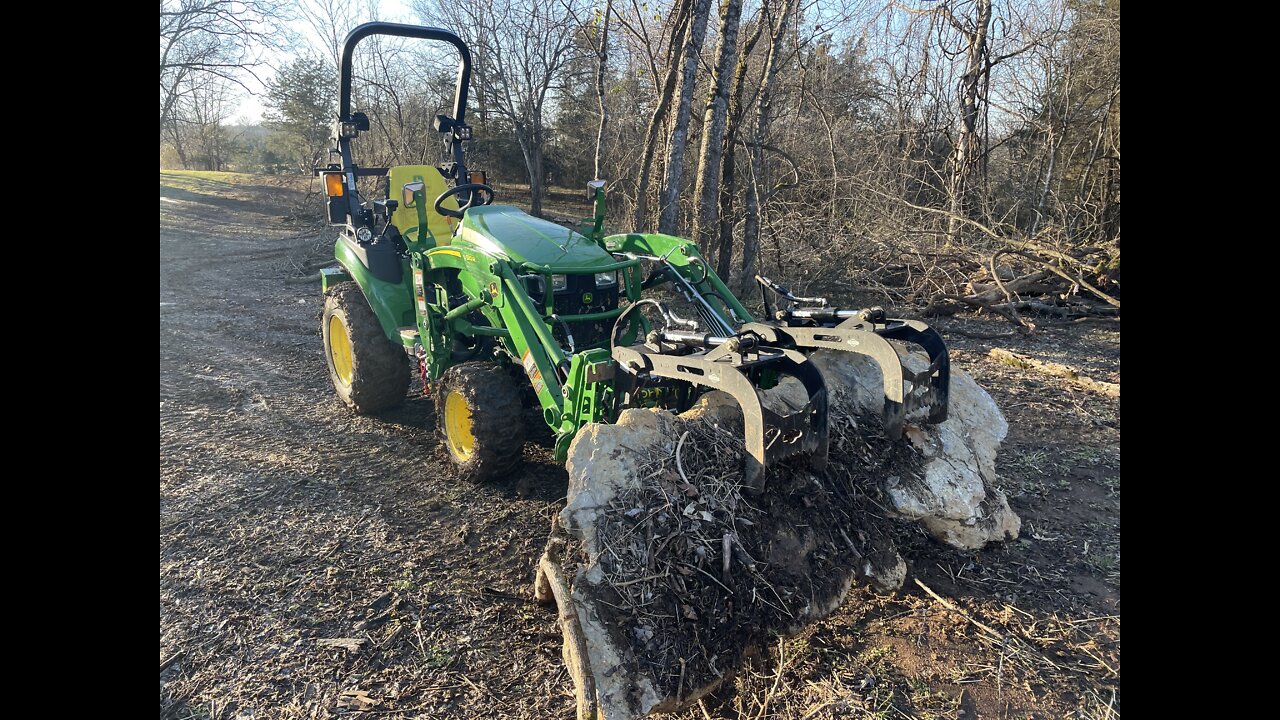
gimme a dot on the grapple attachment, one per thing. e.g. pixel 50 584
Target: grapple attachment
pixel 734 364
pixel 738 362
pixel 867 332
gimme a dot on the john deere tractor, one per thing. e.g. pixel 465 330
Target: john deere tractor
pixel 499 310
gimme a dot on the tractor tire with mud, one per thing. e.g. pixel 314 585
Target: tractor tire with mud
pixel 480 417
pixel 368 371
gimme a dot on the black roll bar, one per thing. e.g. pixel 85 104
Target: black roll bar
pixel 354 216
pixel 409 31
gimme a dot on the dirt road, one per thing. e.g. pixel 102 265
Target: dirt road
pixel 285 522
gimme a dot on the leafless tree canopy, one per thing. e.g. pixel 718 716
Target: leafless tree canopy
pixel 953 154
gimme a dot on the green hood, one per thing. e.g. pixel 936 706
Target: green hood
pixel 507 231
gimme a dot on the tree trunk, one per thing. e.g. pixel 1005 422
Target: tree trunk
pixel 751 229
pixel 707 181
pixel 655 121
pixel 537 175
pixel 179 147
pixel 669 207
pixel 601 72
pixel 728 188
pixel 532 165
pixel 965 156
pixel 724 259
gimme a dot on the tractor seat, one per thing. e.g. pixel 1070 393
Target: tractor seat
pixel 405 219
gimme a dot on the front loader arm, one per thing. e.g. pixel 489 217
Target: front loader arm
pixel 681 256
pixel 494 291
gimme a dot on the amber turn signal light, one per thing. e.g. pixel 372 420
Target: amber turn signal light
pixel 333 185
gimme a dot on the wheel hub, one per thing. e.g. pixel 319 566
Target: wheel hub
pixel 457 426
pixel 340 350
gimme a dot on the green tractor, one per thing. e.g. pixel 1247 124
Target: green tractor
pixel 499 309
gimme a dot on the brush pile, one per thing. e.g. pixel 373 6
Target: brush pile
pixel 667 574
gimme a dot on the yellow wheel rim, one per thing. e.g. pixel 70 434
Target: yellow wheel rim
pixel 340 349
pixel 457 426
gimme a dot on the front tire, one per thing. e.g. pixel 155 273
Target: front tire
pixel 479 416
pixel 368 371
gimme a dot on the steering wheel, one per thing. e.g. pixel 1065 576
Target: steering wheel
pixel 473 188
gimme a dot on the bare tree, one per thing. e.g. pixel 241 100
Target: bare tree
pixel 714 119
pixel 222 38
pixel 728 168
pixel 764 116
pixel 525 48
pixel 601 44
pixel 977 67
pixel 669 208
pixel 682 21
pixel 330 20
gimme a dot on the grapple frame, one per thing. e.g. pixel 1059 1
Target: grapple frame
pixel 727 363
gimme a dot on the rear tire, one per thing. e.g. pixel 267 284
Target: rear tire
pixel 368 371
pixel 480 418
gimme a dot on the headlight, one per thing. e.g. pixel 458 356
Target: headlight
pixel 604 280
pixel 559 282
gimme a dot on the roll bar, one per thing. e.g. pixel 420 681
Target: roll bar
pixel 409 31
pixel 456 126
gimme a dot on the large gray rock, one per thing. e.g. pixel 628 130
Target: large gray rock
pixel 605 463
pixel 957 499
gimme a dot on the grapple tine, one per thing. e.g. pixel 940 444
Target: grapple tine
pixel 720 376
pixel 804 431
pixel 938 374
pixel 815 439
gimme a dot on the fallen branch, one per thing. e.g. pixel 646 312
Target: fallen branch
pixel 978 334
pixel 1029 248
pixel 1076 280
pixel 1057 370
pixel 1014 642
pixel 1070 311
pixel 1033 284
pixel 348 644
pixel 575 642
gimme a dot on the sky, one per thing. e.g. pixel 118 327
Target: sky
pixel 249 110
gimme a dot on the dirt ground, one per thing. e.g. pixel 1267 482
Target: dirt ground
pixel 286 521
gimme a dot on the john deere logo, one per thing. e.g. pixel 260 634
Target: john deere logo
pixel 587 298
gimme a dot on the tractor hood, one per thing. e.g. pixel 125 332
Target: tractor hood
pixel 507 231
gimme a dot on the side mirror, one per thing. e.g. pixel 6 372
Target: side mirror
pixel 409 190
pixel 592 186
